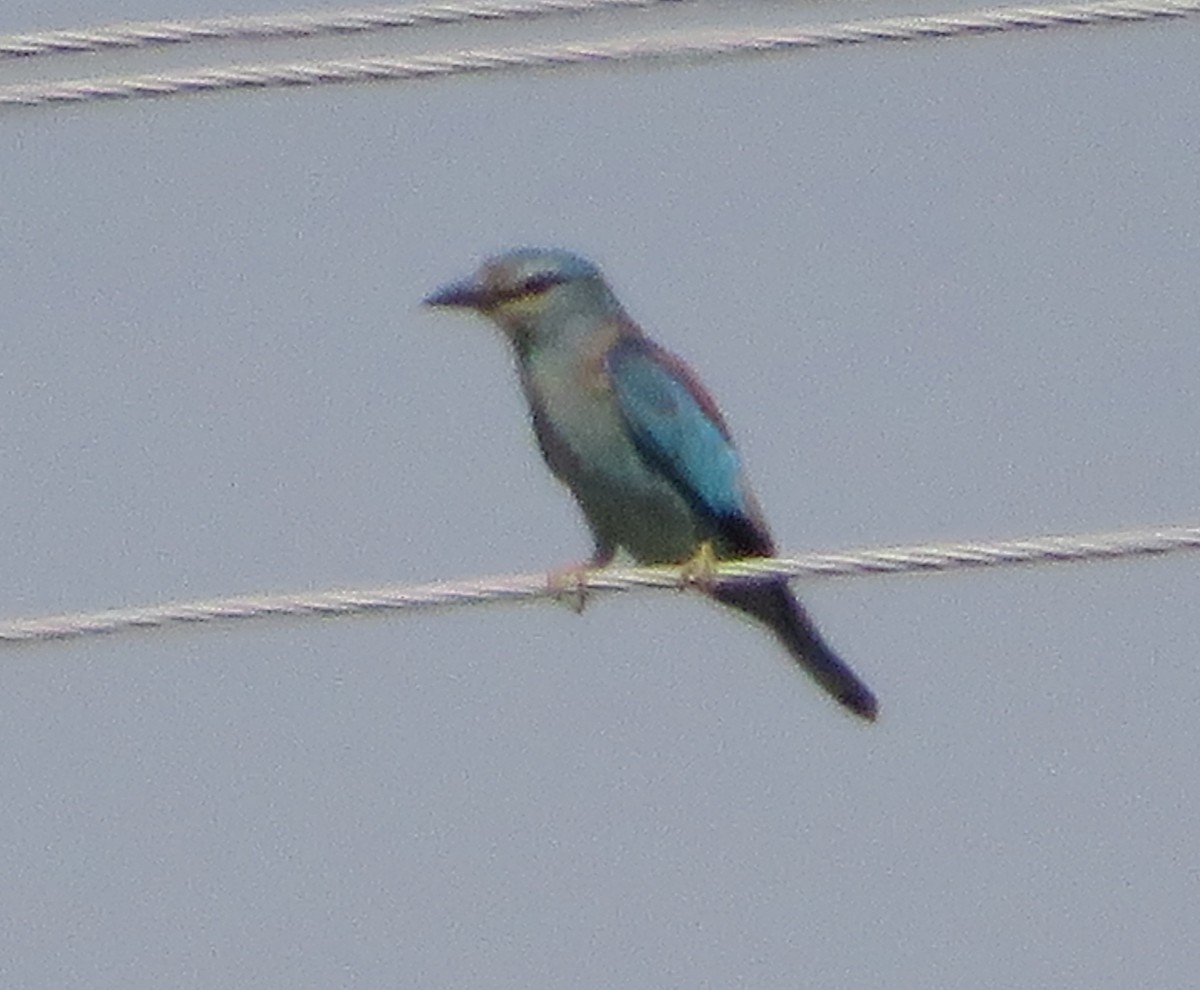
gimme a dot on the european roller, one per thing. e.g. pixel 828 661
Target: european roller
pixel 633 434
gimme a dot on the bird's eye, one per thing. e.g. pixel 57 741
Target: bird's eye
pixel 535 285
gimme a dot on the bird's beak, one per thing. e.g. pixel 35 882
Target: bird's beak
pixel 467 294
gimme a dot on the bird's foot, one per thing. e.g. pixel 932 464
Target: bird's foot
pixel 570 585
pixel 701 570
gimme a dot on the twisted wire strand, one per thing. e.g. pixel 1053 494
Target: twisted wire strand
pixel 884 560
pixel 300 24
pixel 679 46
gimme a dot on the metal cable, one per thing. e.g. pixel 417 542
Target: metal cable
pixel 300 24
pixel 677 46
pixel 885 560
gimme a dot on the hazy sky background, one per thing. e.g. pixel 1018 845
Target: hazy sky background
pixel 941 290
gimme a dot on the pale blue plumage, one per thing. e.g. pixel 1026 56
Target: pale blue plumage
pixel 640 443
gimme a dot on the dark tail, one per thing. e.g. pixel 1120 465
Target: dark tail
pixel 773 604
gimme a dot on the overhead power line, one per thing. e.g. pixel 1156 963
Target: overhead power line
pixel 679 46
pixel 880 560
pixel 297 24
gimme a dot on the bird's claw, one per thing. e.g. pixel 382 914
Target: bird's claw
pixel 570 586
pixel 701 570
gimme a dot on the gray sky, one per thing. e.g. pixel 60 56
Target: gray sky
pixel 941 290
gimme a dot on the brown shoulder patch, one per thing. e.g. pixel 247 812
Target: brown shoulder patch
pixel 593 368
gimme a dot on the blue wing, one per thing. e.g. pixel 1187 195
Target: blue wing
pixel 677 429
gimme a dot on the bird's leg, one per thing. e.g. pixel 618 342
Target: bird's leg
pixel 569 584
pixel 701 570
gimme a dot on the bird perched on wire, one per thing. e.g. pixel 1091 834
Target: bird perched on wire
pixel 630 430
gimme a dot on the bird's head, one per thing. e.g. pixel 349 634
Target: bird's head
pixel 532 293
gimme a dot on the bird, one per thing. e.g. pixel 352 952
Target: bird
pixel 628 428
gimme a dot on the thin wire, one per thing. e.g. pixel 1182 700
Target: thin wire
pixel 301 24
pixel 679 46
pixel 885 560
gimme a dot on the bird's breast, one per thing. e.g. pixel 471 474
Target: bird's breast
pixel 575 398
pixel 584 439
